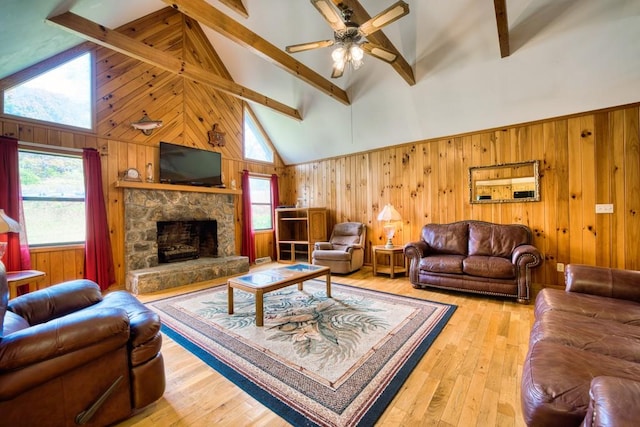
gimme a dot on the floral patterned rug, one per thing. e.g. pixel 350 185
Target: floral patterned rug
pixel 317 361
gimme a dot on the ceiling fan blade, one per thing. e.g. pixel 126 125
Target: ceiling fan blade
pixel 379 52
pixel 330 14
pixel 295 48
pixel 386 17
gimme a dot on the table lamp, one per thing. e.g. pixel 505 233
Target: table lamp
pixel 7 225
pixel 391 217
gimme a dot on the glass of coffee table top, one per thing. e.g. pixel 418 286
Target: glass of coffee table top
pixel 261 282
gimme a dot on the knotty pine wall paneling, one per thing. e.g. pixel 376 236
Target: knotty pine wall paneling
pixel 126 89
pixel 585 159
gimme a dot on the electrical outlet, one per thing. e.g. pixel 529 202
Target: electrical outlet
pixel 560 267
pixel 604 208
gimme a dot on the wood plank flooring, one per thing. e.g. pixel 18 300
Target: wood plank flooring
pixel 469 377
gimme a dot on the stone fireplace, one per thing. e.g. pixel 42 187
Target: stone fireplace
pixel 147 209
pixel 185 240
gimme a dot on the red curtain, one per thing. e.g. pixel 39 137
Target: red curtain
pixel 275 201
pixel 98 262
pixel 248 236
pixel 17 256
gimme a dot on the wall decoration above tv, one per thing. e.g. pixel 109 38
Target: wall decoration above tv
pixel 189 166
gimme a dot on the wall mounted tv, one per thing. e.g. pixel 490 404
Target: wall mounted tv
pixel 189 166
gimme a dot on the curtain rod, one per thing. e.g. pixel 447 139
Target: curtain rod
pixel 266 175
pixel 50 147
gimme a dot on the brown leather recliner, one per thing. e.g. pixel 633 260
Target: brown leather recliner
pixel 344 252
pixel 70 356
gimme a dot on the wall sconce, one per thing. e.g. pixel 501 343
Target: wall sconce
pixel 391 217
pixel 146 125
pixel 216 137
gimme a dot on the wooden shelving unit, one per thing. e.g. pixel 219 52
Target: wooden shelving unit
pixel 297 230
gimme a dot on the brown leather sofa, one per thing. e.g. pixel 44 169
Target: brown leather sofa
pixel 70 356
pixel 474 256
pixel 583 363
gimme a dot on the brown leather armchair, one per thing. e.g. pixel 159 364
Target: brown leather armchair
pixel 344 252
pixel 70 356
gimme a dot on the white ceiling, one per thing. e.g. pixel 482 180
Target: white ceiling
pixel 567 56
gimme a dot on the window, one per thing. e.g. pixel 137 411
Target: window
pixel 256 146
pixel 61 95
pixel 261 207
pixel 52 198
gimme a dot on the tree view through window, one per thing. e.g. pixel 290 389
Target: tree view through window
pixel 52 198
pixel 261 210
pixel 61 95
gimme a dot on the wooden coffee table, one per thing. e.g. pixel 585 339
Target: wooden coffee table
pixel 261 282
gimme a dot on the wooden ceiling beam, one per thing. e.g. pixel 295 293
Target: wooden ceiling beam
pixel 359 16
pixel 503 27
pixel 118 42
pixel 237 6
pixel 211 17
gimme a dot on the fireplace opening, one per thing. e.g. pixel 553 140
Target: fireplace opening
pixel 185 240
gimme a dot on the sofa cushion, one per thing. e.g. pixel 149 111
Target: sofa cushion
pixel 618 310
pixel 447 238
pixel 489 266
pixel 496 240
pixel 556 378
pixel 586 333
pixel 451 264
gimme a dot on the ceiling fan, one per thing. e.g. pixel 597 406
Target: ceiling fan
pixel 349 37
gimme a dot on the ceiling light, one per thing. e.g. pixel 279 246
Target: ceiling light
pixel 347 53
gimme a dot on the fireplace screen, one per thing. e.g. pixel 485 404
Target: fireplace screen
pixel 184 240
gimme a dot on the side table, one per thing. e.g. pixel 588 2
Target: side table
pixel 393 267
pixel 19 278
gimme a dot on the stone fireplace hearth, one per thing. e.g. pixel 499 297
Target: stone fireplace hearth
pixel 144 208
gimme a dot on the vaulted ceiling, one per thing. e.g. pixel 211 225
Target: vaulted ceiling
pixel 463 65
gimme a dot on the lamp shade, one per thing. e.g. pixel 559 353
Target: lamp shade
pixel 8 225
pixel 389 213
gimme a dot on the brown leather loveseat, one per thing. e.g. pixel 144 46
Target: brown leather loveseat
pixel 69 356
pixel 474 256
pixel 583 363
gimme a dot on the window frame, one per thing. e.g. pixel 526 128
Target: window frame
pixel 45 66
pixel 61 152
pixel 270 204
pixel 248 112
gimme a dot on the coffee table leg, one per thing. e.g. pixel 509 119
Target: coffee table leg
pixel 300 286
pixel 328 285
pixel 230 298
pixel 259 308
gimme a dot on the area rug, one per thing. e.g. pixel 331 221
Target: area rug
pixel 317 361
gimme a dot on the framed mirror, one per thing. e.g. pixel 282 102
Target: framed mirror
pixel 508 182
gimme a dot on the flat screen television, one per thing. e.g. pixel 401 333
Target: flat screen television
pixel 189 166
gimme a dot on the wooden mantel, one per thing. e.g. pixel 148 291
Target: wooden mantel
pixel 172 187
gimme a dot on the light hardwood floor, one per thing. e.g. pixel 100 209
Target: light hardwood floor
pixel 469 377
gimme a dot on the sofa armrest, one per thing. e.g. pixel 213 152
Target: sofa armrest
pixel 416 250
pixel 526 256
pixel 56 301
pixel 38 354
pixel 63 336
pixel 323 246
pixel 613 401
pixel 603 281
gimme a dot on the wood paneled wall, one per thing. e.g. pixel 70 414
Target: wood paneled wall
pixel 128 89
pixel 584 159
